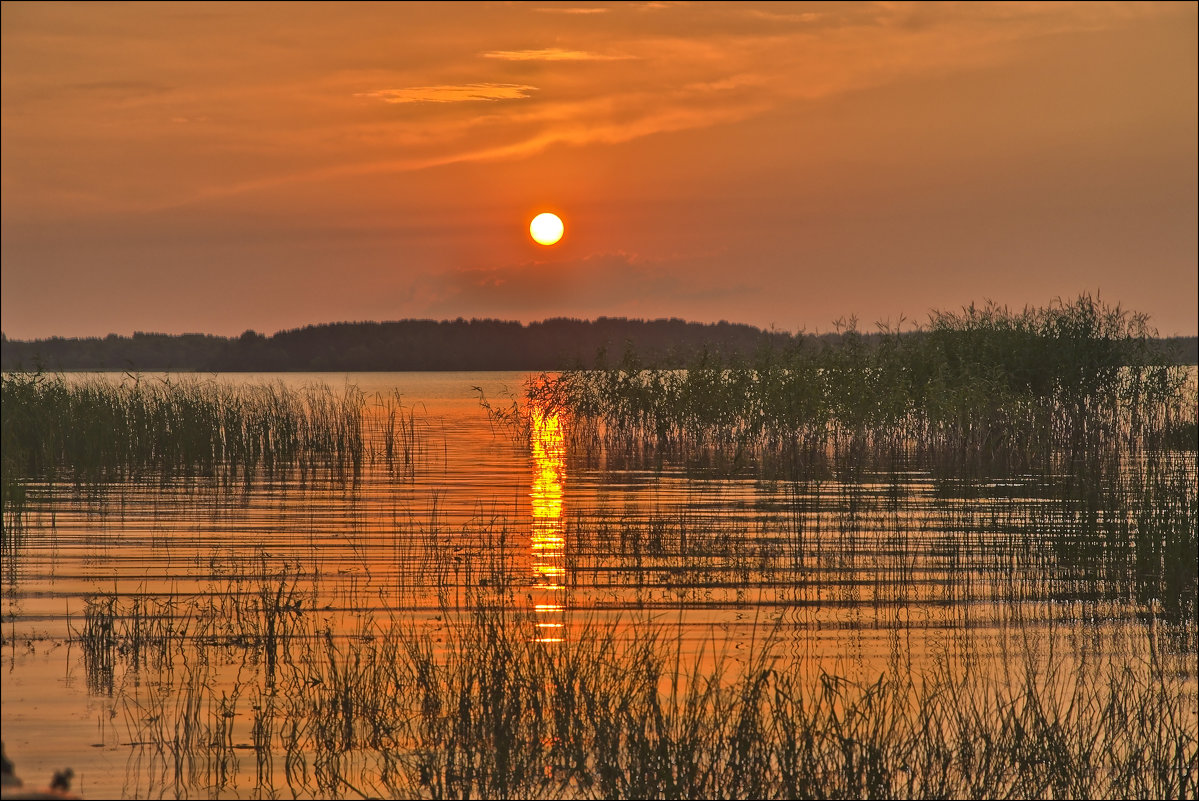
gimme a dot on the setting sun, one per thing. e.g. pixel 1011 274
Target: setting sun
pixel 546 228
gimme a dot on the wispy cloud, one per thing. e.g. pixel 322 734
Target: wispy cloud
pixel 530 130
pixel 122 87
pixel 461 93
pixel 553 54
pixel 572 10
pixel 774 16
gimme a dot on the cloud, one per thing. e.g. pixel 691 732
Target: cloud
pixel 574 10
pixel 133 88
pixel 531 130
pixel 552 54
pixel 461 93
pixel 774 16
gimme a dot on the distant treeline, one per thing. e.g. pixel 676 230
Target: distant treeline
pixel 434 345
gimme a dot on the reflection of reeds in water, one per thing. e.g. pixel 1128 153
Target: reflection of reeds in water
pixel 479 708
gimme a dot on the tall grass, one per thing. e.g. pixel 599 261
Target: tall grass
pixel 980 391
pixel 91 432
pixel 1071 397
pixel 95 430
pixel 396 438
pixel 479 708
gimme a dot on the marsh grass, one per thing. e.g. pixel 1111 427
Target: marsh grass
pixel 976 393
pixel 1068 401
pixel 398 436
pixel 96 430
pixel 94 433
pixel 477 707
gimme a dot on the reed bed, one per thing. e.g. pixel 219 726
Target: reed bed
pixel 96 430
pixel 1070 399
pixel 92 433
pixel 979 392
pixel 477 708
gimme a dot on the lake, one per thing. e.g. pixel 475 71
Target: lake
pixel 487 500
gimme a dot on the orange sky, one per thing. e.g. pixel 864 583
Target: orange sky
pixel 216 167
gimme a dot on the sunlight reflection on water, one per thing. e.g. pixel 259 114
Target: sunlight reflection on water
pixel 548 544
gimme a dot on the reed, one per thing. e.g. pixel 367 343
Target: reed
pixel 255 687
pixel 1071 398
pixel 96 430
pixel 397 434
pixel 89 433
pixel 479 708
pixel 982 391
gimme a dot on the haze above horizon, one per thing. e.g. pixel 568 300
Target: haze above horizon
pixel 183 167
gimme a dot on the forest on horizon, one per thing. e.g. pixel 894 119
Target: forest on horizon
pixel 412 345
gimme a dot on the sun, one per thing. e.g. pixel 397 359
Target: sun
pixel 546 228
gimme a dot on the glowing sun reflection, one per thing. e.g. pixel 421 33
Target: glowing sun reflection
pixel 549 571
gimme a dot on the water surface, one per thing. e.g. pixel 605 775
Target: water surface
pixel 848 574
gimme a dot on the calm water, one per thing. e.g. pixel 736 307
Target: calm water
pixel 849 575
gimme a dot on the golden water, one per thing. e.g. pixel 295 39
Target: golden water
pixel 849 576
